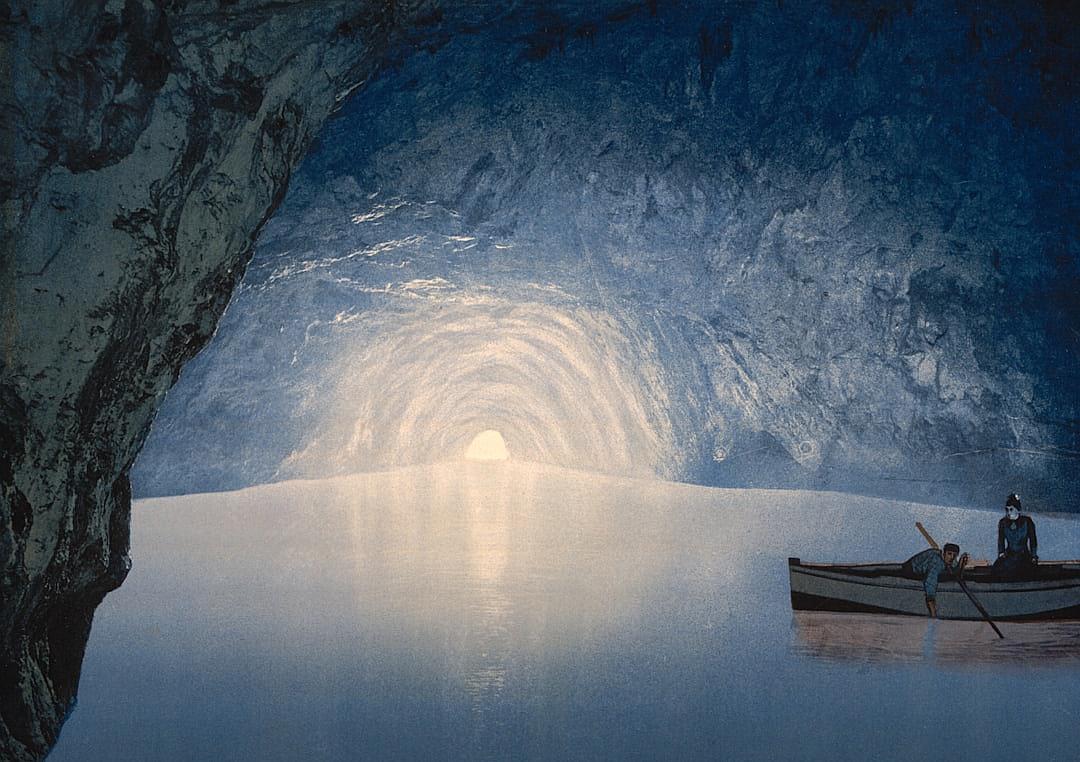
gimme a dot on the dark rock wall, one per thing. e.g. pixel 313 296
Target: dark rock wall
pixel 144 145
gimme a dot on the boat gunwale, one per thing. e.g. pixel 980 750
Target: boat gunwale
pixel 995 587
pixel 821 564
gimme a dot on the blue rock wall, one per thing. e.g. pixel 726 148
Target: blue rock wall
pixel 838 242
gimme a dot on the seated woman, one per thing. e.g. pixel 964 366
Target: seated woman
pixel 1017 543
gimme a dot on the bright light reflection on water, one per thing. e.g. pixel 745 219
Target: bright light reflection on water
pixel 508 611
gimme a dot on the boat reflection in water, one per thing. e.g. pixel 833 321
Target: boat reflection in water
pixel 838 637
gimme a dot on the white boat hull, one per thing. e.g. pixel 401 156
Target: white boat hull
pixel 884 589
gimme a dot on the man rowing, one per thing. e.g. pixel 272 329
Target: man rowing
pixel 930 564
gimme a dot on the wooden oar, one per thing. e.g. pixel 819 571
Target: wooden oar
pixel 974 600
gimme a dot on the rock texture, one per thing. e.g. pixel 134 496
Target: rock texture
pixel 145 144
pixel 848 257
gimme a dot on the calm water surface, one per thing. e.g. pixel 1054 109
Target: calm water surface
pixel 501 611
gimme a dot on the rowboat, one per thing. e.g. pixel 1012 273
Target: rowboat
pixel 1051 591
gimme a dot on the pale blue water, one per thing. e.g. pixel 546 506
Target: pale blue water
pixel 501 611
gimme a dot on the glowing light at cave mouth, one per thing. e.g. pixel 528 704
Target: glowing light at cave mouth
pixel 487 445
pixel 566 385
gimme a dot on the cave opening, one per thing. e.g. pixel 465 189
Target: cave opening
pixel 597 248
pixel 487 445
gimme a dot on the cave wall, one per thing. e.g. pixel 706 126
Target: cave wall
pixel 144 145
pixel 852 249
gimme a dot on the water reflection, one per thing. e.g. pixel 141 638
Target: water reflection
pixel 487 499
pixel 500 611
pixel 878 638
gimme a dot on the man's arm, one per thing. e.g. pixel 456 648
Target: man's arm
pixel 1033 539
pixel 1001 537
pixel 930 587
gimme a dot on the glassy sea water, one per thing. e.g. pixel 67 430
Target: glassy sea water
pixel 508 611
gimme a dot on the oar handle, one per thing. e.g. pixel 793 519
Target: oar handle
pixel 930 540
